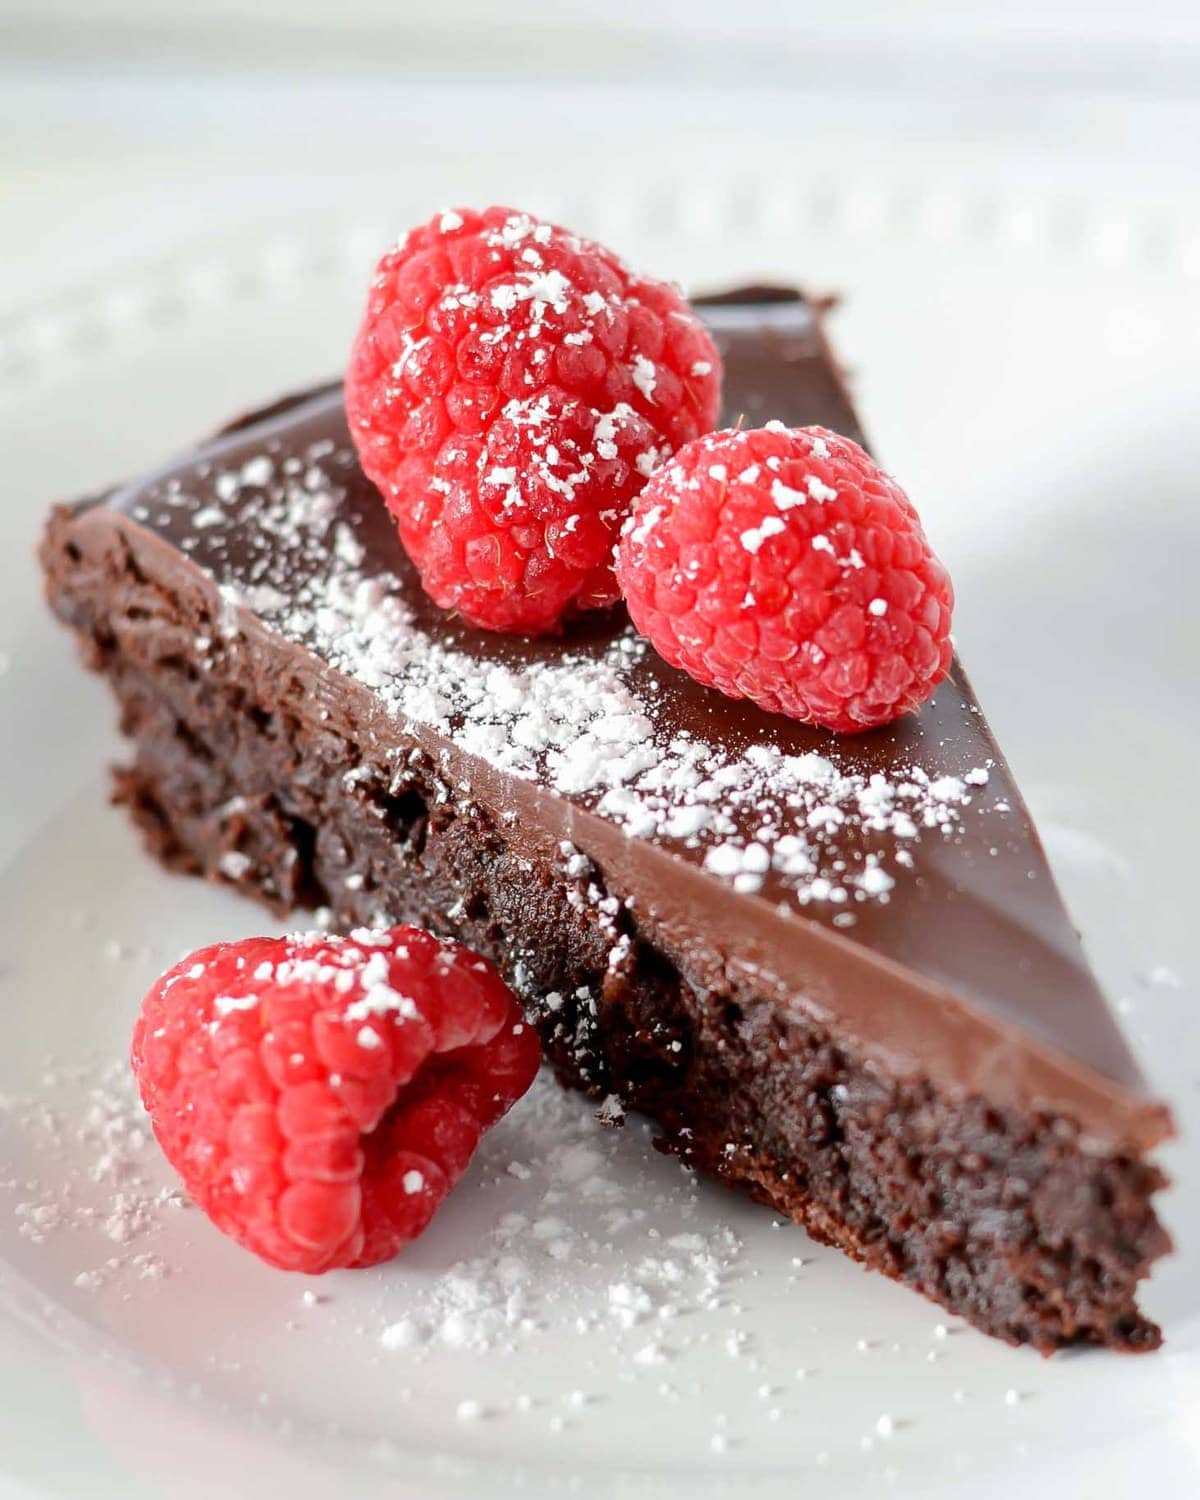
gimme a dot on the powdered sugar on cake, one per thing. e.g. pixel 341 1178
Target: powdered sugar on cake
pixel 812 828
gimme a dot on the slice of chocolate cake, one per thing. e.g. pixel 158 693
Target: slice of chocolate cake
pixel 834 969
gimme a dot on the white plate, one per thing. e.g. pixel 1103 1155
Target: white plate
pixel 1038 400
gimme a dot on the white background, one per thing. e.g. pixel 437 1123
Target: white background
pixel 130 126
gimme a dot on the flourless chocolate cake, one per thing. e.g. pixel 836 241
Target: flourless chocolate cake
pixel 833 969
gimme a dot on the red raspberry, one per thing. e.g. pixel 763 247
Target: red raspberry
pixel 510 390
pixel 782 565
pixel 320 1096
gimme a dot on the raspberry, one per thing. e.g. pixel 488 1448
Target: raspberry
pixel 782 565
pixel 320 1096
pixel 510 390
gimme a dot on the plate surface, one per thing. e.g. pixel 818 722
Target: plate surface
pixel 584 1317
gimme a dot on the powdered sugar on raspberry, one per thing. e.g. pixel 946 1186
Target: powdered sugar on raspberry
pixel 511 387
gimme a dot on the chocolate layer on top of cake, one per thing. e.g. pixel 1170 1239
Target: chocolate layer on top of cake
pixel 835 968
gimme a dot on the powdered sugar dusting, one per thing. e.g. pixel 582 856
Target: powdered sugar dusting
pixel 110 1200
pixel 813 828
pixel 579 1237
pixel 753 538
pixel 628 1276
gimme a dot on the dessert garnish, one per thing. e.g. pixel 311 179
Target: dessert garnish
pixel 784 566
pixel 510 390
pixel 320 1095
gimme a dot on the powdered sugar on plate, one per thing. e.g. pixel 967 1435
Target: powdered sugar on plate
pixel 111 1199
pixel 623 1272
pixel 561 1232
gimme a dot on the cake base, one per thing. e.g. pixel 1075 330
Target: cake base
pixel 1010 1219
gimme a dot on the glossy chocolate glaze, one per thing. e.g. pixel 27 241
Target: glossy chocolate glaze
pixel 969 972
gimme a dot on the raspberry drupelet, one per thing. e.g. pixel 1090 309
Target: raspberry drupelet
pixel 319 1095
pixel 510 390
pixel 782 565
